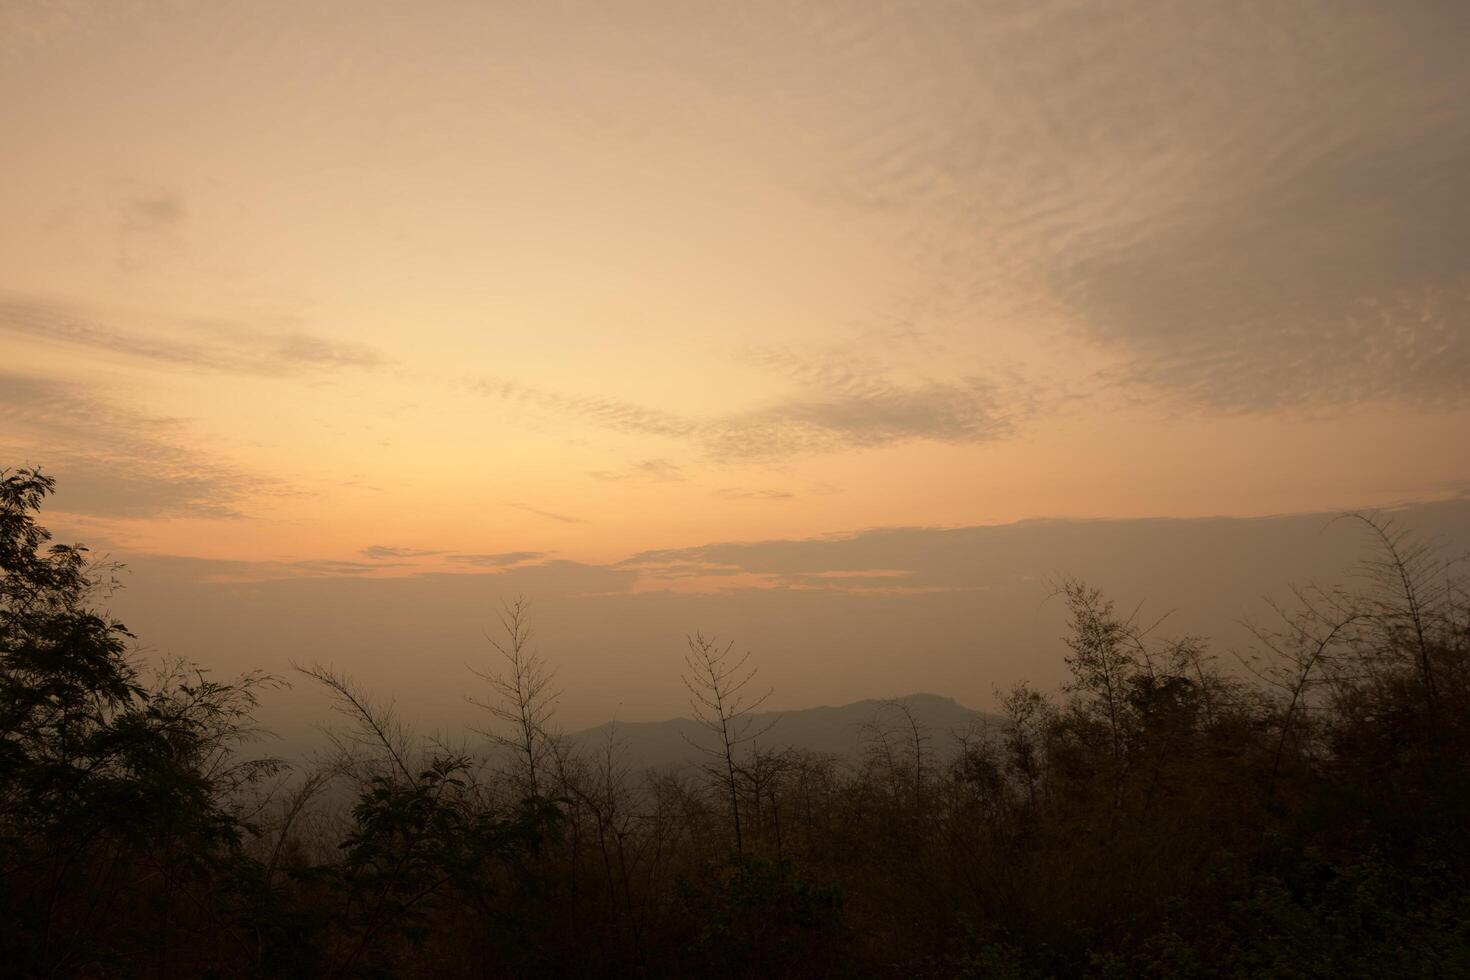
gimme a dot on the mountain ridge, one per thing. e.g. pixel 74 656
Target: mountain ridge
pixel 836 730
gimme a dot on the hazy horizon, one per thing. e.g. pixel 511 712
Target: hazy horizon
pixel 958 612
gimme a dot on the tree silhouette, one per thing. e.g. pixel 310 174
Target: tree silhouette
pixel 717 685
pixel 93 760
pixel 524 699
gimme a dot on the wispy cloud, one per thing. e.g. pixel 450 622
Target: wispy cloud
pixel 29 24
pixel 1280 217
pixel 645 470
pixel 329 567
pixel 1325 261
pixel 151 211
pixel 835 408
pixel 381 552
pixel 499 560
pixel 740 493
pixel 212 346
pixel 618 416
pixel 549 515
pixel 869 415
pixel 114 461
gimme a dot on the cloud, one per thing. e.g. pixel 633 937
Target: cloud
pixel 738 493
pixel 524 573
pixel 147 219
pixel 237 570
pixel 113 461
pixel 152 212
pixel 212 346
pixel 381 552
pixel 834 409
pixel 992 557
pixel 1007 559
pixel 26 25
pixel 646 470
pixel 549 515
pixel 863 416
pixel 500 560
pixel 1341 276
pixel 1245 209
pixel 1239 207
pixel 618 416
pixel 330 567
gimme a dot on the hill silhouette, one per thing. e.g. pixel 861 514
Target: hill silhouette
pixel 839 730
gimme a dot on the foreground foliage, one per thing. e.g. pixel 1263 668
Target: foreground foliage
pixel 1161 816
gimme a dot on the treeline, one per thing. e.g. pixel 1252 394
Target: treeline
pixel 1299 812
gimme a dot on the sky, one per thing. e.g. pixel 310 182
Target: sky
pixel 572 298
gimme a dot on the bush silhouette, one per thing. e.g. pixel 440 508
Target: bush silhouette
pixel 1300 813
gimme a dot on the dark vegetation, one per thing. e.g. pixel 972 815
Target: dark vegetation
pixel 1164 815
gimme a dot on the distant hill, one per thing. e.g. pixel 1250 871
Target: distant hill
pixel 836 731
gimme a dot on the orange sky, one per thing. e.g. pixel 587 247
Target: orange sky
pixel 402 285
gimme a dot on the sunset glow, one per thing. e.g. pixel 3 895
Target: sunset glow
pixel 286 282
